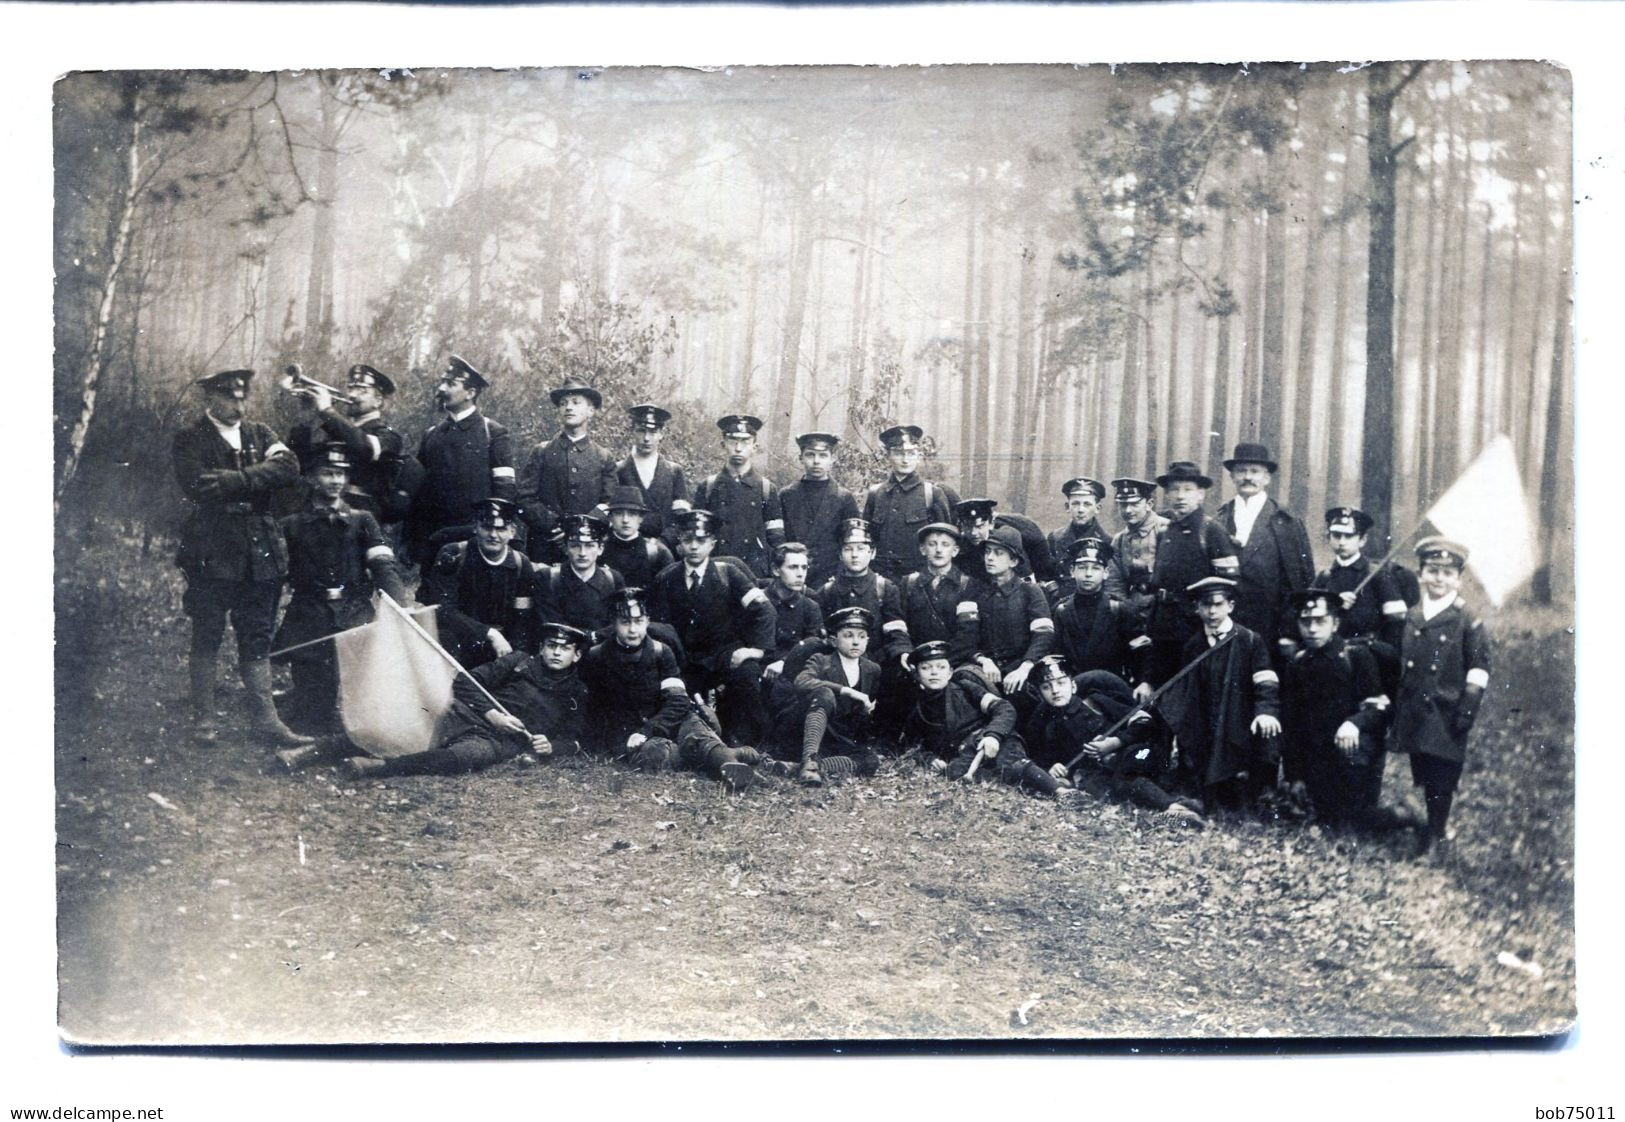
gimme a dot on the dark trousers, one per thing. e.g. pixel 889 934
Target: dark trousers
pixel 739 704
pixel 1438 778
pixel 249 605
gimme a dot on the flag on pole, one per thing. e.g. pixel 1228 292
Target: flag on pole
pixel 1485 510
pixel 393 686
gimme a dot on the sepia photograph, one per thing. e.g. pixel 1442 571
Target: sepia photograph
pixel 805 553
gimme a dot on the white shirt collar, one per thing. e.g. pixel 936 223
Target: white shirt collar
pixel 1431 607
pixel 1214 637
pixel 505 551
pixel 1342 564
pixel 463 416
pixel 1247 511
pixel 691 573
pixel 222 425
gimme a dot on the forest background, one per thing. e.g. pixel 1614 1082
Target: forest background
pixel 1056 271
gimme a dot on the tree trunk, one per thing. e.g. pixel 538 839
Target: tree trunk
pixel 969 395
pixel 319 287
pixel 747 365
pixel 1305 399
pixel 1219 426
pixel 1130 388
pixel 984 364
pixel 1551 469
pixel 1272 370
pixel 1486 404
pixel 1246 426
pixel 119 243
pixel 1507 403
pixel 1150 393
pixel 1024 431
pixel 803 237
pixel 1336 389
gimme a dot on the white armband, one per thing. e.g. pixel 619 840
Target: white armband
pixel 1042 626
pixel 1393 607
pixel 967 609
pixel 894 626
pixel 988 702
pixel 1226 565
pixel 521 603
pixel 754 596
pixel 376 446
pixel 1264 676
pixel 502 473
pixel 1139 641
pixel 1479 677
pixel 673 684
pixel 773 524
pixel 277 449
pixel 378 551
pixel 1378 702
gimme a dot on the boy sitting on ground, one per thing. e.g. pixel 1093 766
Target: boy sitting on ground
pixel 833 704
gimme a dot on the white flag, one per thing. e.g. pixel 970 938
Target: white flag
pixel 1485 511
pixel 393 686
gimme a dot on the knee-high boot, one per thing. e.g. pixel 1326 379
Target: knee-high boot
pixel 202 670
pixel 263 720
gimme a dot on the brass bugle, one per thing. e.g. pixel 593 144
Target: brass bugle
pixel 293 381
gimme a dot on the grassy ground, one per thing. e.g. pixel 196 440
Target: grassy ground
pixel 205 898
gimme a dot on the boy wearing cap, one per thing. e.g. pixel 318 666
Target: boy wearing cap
pixel 940 603
pixel 1227 710
pixel 579 591
pixel 746 505
pixel 1190 548
pixel 1093 631
pixel 724 623
pixel 519 704
pixel 1016 629
pixel 857 585
pixel 232 553
pixel 627 550
pixel 1445 656
pixel 1377 610
pixel 336 557
pixel 834 703
pixel 487 591
pixel 1076 714
pixel 635 688
pixel 466 459
pixel 899 505
pixel 658 480
pixel 1134 547
pixel 797 616
pixel 1273 552
pixel 570 474
pixel 815 506
pixel 1083 498
pixel 372 447
pixel 1333 711
pixel 957 724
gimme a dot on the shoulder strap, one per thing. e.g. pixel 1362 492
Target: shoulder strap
pixel 929 493
pixel 911 582
pixel 765 485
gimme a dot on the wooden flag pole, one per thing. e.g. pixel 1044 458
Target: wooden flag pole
pixel 329 638
pixel 445 654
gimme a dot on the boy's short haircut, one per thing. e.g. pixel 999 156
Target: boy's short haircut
pixel 780 552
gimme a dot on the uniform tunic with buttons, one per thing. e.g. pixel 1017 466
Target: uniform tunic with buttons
pixel 374 449
pixel 563 477
pixel 334 550
pixel 1095 632
pixel 550 703
pixel 1320 689
pixel 633 690
pixel 1439 658
pixel 1061 541
pixel 880 597
pixel 583 604
pixel 666 486
pixel 1133 563
pixel 638 561
pixel 474 596
pixel 725 612
pixel 797 616
pixel 948 611
pixel 1367 618
pixel 750 519
pixel 464 462
pixel 813 512
pixel 1016 626
pixel 1188 549
pixel 897 509
pixel 1215 705
pixel 232 535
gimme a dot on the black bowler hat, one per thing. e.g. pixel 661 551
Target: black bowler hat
pixel 584 528
pixel 565 632
pixel 234 382
pixel 928 652
pixel 902 436
pixel 1089 549
pixel 1131 490
pixel 363 375
pixel 817 441
pixel 458 369
pixel 1313 603
pixel 1084 483
pixel 857 530
pixel 333 454
pixel 1200 590
pixel 495 512
pixel 701 523
pixel 646 416
pixel 1251 454
pixel 855 616
pixel 938 528
pixel 974 510
pixel 1053 668
pixel 1183 471
pixel 626 498
pixel 575 385
pixel 630 602
pixel 1348 520
pixel 739 424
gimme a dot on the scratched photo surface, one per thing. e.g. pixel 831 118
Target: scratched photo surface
pixel 1054 273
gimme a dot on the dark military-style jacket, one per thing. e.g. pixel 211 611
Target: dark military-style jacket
pixel 849 724
pixel 551 704
pixel 750 519
pixel 374 450
pixel 232 535
pixel 797 616
pixel 1322 689
pixel 725 612
pixel 584 604
pixel 950 612
pixel 463 462
pixel 1134 560
pixel 1059 541
pixel 1099 633
pixel 1275 562
pixel 1379 608
pixel 1055 734
pixel 667 488
pixel 633 690
pixel 1015 624
pixel 898 508
pixel 562 477
pixel 475 596
pixel 1189 549
pixel 1439 659
pixel 1216 703
pixel 336 557
pixel 877 594
pixel 813 512
pixel 638 561
pixel 945 722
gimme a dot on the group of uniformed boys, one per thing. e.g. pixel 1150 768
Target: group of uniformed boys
pixel 1187 663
